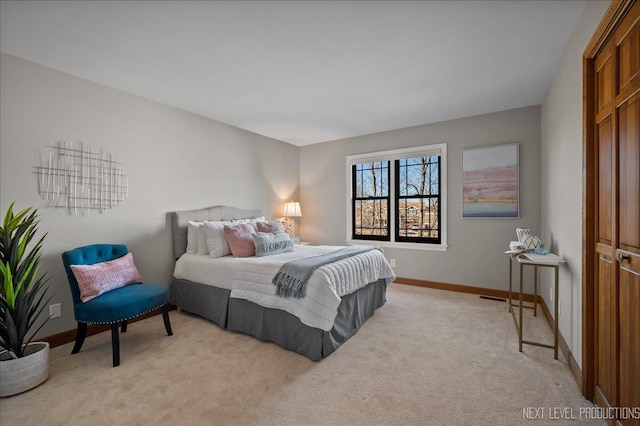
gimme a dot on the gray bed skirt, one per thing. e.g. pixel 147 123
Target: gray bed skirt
pixel 200 299
pixel 278 326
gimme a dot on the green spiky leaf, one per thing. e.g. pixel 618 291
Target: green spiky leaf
pixel 22 292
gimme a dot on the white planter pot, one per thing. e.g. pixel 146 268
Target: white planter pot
pixel 21 374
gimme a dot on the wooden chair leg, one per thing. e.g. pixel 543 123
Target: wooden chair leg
pixel 115 344
pixel 123 326
pixel 165 317
pixel 80 335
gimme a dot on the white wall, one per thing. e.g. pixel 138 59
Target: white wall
pixel 561 128
pixel 175 161
pixel 475 255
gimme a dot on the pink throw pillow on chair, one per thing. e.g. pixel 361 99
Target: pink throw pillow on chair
pixel 99 278
pixel 240 239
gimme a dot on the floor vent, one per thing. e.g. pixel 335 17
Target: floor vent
pixel 497 299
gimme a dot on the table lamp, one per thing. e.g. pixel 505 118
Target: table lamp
pixel 291 211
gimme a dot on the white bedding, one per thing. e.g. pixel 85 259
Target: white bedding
pixel 250 279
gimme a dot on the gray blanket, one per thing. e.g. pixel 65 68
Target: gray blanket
pixel 292 277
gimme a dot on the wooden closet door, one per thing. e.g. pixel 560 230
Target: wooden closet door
pixel 606 287
pixel 617 289
pixel 627 40
pixel 628 256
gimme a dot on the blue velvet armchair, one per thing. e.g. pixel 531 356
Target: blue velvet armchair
pixel 114 307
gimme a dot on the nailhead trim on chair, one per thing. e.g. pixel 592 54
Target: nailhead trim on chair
pixel 125 319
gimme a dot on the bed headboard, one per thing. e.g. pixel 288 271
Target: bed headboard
pixel 180 220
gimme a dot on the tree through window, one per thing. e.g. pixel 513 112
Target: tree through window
pixel 370 202
pixel 399 196
pixel 418 199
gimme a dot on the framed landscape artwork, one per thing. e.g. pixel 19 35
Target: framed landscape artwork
pixel 490 182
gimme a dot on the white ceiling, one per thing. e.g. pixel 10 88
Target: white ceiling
pixel 300 71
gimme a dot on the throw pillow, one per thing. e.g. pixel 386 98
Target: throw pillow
pixel 272 243
pixel 216 243
pixel 240 239
pixel 202 240
pixel 252 220
pixel 99 278
pixel 271 227
pixel 192 237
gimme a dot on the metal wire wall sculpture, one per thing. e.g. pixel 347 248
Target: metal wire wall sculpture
pixel 80 178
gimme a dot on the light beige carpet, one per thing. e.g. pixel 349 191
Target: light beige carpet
pixel 427 357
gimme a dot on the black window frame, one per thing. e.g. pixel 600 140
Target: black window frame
pixel 436 240
pixel 397 197
pixel 355 199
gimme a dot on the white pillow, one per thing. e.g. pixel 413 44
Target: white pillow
pixel 202 241
pixel 199 243
pixel 214 235
pixel 251 221
pixel 192 237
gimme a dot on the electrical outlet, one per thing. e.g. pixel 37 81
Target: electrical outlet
pixel 393 263
pixel 55 310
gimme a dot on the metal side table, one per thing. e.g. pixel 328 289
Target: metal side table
pixel 537 261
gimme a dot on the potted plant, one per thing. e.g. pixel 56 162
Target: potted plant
pixel 23 365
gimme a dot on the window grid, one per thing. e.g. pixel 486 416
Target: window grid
pixel 370 201
pixel 425 227
pixel 417 200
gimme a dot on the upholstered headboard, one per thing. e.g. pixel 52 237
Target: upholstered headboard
pixel 180 221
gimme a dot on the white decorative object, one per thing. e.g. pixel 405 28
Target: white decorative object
pixel 21 374
pixel 522 233
pixel 81 178
pixel 531 242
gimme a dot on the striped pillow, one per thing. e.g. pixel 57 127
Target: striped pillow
pixel 272 243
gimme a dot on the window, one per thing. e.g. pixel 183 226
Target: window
pixel 398 198
pixel 370 201
pixel 417 203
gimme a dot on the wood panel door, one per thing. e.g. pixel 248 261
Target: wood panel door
pixel 614 159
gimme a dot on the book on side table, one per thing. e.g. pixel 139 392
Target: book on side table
pixel 549 259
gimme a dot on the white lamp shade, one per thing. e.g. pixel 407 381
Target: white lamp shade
pixel 292 209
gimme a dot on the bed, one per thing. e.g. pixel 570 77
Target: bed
pixel 237 294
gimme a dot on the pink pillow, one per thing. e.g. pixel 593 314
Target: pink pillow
pixel 240 239
pixel 102 277
pixel 270 227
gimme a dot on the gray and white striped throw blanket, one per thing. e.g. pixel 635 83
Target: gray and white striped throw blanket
pixel 292 277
